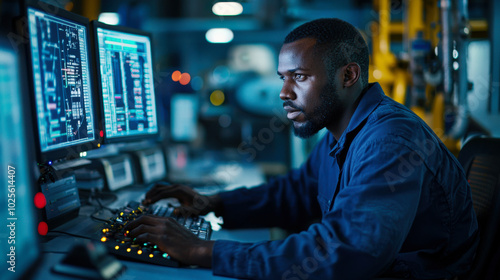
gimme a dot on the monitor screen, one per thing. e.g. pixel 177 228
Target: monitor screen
pixel 125 71
pixel 61 80
pixel 19 247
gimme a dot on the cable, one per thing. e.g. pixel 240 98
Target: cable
pixel 93 217
pixel 70 234
pixel 105 207
pixel 88 197
pixel 98 194
pixel 103 195
pixel 54 252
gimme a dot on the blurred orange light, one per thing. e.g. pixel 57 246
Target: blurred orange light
pixel 185 79
pixel 176 75
pixel 69 6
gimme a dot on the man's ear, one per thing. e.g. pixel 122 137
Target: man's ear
pixel 352 72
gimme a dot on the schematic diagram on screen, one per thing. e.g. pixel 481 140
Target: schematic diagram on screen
pixel 60 66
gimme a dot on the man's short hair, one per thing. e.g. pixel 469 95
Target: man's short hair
pixel 339 43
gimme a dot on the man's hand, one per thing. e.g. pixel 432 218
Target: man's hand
pixel 192 202
pixel 172 238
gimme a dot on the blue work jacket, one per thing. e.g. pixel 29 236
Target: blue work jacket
pixel 386 200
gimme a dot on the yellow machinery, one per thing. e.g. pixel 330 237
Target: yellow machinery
pixel 413 79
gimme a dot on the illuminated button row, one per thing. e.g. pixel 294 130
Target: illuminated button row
pixel 139 252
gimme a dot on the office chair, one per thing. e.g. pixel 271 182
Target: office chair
pixel 480 158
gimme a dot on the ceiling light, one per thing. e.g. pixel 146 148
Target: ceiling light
pixel 227 8
pixel 109 18
pixel 219 35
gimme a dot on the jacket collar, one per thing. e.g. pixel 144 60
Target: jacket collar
pixel 371 97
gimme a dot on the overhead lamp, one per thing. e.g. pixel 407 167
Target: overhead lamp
pixel 227 8
pixel 109 18
pixel 219 35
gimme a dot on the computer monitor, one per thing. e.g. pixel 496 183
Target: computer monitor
pixel 125 82
pixel 62 88
pixel 19 248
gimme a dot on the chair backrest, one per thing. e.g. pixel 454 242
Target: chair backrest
pixel 480 158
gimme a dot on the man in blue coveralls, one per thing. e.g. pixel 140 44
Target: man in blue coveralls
pixel 384 195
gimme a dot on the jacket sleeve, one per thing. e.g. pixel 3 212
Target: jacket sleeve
pixel 357 239
pixel 287 201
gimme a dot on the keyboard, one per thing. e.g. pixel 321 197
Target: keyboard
pixel 115 239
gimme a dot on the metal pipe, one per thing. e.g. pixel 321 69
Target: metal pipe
pixel 462 44
pixel 447 45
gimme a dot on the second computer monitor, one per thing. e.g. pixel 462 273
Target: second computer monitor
pixel 126 85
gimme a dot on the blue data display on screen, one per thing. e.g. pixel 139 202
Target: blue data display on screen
pixel 59 51
pixel 127 83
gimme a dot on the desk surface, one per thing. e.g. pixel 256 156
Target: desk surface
pixel 136 270
pixel 57 245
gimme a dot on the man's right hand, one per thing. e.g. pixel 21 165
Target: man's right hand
pixel 192 203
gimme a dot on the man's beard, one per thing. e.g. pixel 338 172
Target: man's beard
pixel 330 108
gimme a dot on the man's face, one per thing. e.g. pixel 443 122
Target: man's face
pixel 311 101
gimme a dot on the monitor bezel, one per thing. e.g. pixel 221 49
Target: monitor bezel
pixel 72 151
pixel 127 138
